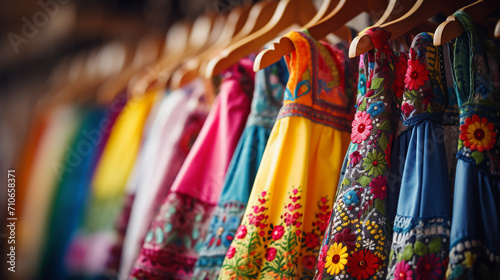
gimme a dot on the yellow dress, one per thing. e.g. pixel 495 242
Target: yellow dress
pixel 289 207
pixel 96 234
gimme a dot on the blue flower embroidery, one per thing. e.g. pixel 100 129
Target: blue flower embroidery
pixel 362 85
pixel 222 231
pixel 351 197
pixel 376 108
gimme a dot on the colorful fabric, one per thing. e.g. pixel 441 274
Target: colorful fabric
pixel 46 170
pixel 289 207
pixel 358 238
pixel 178 122
pixel 268 96
pixel 91 245
pixel 419 166
pixel 71 192
pixel 176 234
pixel 475 227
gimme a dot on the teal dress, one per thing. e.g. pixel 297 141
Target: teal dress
pixel 267 100
pixel 475 227
pixel 73 189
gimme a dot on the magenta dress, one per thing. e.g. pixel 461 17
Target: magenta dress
pixel 171 246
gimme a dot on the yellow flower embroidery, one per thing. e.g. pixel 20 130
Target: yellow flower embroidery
pixel 469 259
pixel 336 258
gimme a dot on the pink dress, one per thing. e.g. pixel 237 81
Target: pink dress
pixel 170 249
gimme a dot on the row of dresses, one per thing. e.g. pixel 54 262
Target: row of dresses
pixel 320 166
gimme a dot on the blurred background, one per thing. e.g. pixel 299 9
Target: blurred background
pixel 64 51
pixel 37 35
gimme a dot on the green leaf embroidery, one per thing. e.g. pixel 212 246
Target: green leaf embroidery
pixel 364 181
pixel 383 142
pixel 362 107
pixel 400 257
pixel 435 245
pixel 380 206
pixel 420 248
pixel 477 156
pixel 407 253
pixel 376 83
pixel 460 144
pixel 385 126
pixel 346 182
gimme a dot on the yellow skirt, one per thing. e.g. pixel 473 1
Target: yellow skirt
pixel 290 204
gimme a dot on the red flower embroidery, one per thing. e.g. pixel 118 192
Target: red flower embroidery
pixel 407 109
pixel 478 134
pixel 429 267
pixel 347 238
pixel 312 240
pixel 270 254
pixel 416 74
pixel 242 232
pixel 427 100
pixel 399 79
pixel 278 232
pixel 361 127
pixel 230 253
pixel 309 262
pixel 355 158
pixel 362 264
pixel 378 187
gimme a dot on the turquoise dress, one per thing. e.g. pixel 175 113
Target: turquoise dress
pixel 267 100
pixel 475 227
pixel 73 189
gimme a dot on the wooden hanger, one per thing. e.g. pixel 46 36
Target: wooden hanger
pixel 420 12
pixel 191 69
pixel 345 11
pixel 260 14
pixel 452 28
pixel 147 52
pixel 90 70
pixel 497 30
pixel 288 12
pixel 157 74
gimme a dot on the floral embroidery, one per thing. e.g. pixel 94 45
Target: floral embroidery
pixel 376 108
pixel 429 267
pixel 358 224
pixel 399 80
pixel 403 271
pixel 336 258
pixel 242 232
pixel 347 238
pixel 270 254
pixel 375 163
pixel 379 187
pixel 407 109
pixel 355 158
pixel 477 133
pixel 362 264
pixel 351 197
pixel 179 226
pixel 416 74
pixel 309 262
pixel 284 241
pixel 470 258
pixel 361 127
pixel 230 252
